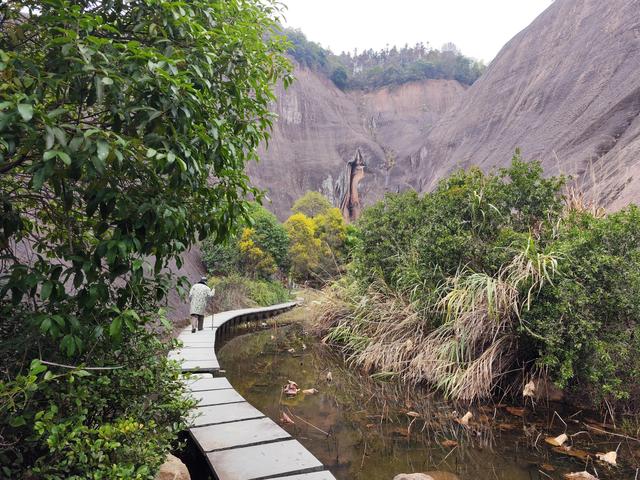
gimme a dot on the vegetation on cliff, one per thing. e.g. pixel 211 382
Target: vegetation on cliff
pixel 115 116
pixel 392 66
pixel 492 280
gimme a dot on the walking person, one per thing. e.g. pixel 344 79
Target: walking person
pixel 199 295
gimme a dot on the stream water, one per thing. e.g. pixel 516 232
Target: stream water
pixel 365 429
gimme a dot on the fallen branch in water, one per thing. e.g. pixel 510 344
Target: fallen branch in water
pixel 310 424
pixel 611 433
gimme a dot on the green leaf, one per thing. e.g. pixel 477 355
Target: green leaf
pixel 46 290
pixel 107 81
pixel 38 179
pixel 26 111
pixel 17 421
pixel 68 344
pixel 45 326
pixel 115 329
pixel 151 153
pixel 49 154
pixel 65 158
pixel 36 367
pixel 98 164
pixel 103 149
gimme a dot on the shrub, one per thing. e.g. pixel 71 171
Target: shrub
pixel 311 204
pixel 235 291
pixel 305 250
pixel 113 423
pixel 254 261
pixel 114 117
pixel 221 258
pixel 491 274
pixel 587 322
pixel 320 239
pixel 261 250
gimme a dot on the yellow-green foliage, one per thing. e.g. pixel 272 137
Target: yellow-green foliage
pixel 305 247
pixel 311 204
pixel 317 248
pixel 256 262
pixel 331 229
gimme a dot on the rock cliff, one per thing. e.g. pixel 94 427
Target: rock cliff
pixel 321 129
pixel 566 90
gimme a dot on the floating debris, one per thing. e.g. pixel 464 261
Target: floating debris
pixel 284 418
pixel 580 476
pixel 465 419
pixel 291 389
pixel 557 441
pixel 609 457
pixel 529 389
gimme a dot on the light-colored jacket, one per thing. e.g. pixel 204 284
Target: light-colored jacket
pixel 199 295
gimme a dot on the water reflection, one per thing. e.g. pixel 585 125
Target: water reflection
pixel 364 429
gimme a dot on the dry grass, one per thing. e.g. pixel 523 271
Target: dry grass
pixel 577 201
pixel 471 350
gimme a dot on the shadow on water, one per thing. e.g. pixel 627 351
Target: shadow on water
pixel 365 429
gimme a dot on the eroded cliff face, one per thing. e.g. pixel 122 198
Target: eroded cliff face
pixel 321 129
pixel 566 90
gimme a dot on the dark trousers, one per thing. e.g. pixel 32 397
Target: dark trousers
pixel 197 319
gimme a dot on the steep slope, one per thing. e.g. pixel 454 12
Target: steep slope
pixel 320 129
pixel 566 90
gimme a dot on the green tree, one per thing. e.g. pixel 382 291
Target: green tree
pixel 270 235
pixel 114 118
pixel 331 230
pixel 305 250
pixel 340 78
pixel 311 204
pixel 267 233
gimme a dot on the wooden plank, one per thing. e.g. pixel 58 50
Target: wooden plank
pixel 200 366
pixel 228 435
pixel 217 397
pixel 326 475
pixel 201 384
pixel 232 412
pixel 259 461
pixel 193 354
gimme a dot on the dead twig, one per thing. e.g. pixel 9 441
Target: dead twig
pixel 611 433
pixel 308 423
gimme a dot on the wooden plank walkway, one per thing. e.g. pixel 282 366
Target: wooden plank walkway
pixel 239 441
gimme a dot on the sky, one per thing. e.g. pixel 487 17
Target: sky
pixel 479 28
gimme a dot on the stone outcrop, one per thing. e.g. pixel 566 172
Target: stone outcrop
pixel 427 476
pixel 173 469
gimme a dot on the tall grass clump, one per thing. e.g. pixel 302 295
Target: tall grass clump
pixel 491 280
